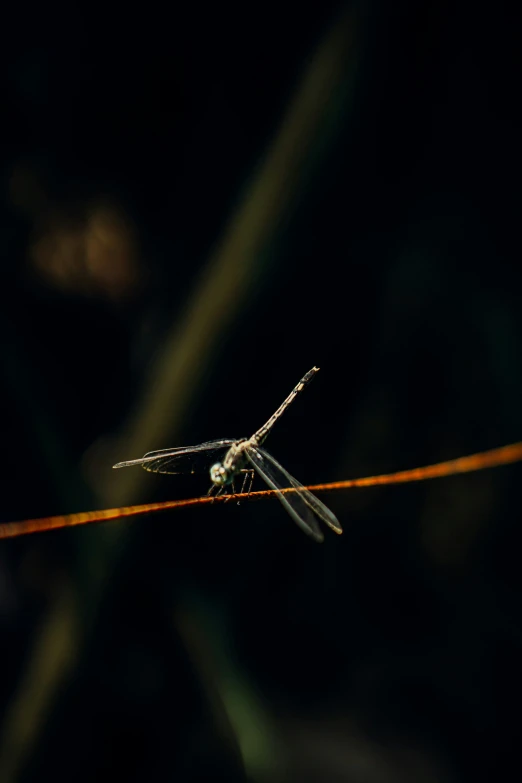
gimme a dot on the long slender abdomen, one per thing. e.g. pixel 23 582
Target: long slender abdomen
pixel 261 434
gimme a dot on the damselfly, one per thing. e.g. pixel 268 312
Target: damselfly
pixel 303 507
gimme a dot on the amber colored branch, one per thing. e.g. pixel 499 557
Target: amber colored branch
pixel 504 455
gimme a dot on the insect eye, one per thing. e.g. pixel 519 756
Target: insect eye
pixel 218 473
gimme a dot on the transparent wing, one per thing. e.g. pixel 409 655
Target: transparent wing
pixel 182 460
pixel 303 507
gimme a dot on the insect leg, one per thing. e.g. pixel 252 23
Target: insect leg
pixel 246 472
pixel 252 474
pixel 211 493
pixel 233 490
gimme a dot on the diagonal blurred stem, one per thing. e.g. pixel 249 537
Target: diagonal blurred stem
pixel 228 279
pixel 221 294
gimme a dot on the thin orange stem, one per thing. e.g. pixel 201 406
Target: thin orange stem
pixel 504 455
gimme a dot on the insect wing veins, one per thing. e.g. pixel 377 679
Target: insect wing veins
pixel 180 460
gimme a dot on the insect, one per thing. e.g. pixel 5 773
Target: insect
pixel 304 508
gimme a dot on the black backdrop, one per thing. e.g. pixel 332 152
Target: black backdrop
pixel 220 643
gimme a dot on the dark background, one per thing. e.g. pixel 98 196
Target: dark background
pixel 220 643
